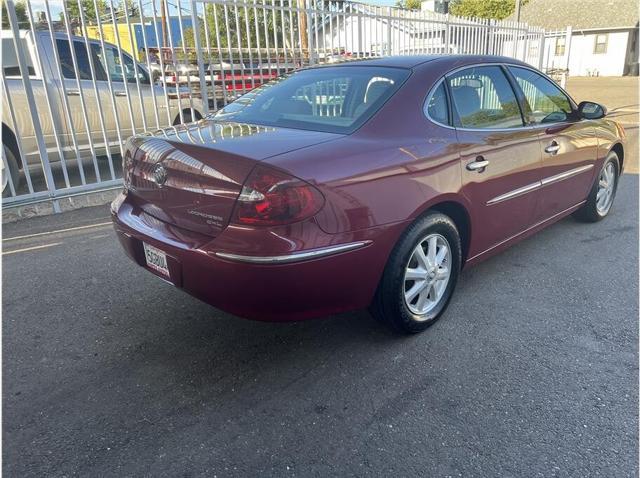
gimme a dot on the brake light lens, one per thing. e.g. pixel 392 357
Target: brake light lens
pixel 270 197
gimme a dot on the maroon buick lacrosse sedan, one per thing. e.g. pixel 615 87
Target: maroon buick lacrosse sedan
pixel 367 184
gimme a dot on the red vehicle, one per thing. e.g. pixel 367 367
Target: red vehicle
pixel 366 184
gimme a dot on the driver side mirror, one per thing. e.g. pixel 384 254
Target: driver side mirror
pixel 591 110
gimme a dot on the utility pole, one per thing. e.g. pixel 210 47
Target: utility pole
pixel 163 14
pixel 518 4
pixel 302 25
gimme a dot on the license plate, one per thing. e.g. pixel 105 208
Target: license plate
pixel 156 259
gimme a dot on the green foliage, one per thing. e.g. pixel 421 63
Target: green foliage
pixel 496 9
pixel 409 4
pixel 120 9
pixel 221 25
pixel 21 13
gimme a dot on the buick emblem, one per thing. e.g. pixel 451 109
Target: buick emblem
pixel 160 175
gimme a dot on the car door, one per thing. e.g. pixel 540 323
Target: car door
pixel 81 98
pixel 568 144
pixel 500 158
pixel 120 69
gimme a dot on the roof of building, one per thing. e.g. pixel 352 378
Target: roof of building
pixel 580 14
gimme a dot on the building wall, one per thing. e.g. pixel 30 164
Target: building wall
pixel 584 62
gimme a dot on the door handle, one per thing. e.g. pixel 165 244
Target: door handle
pixel 478 165
pixel 119 93
pixel 73 92
pixel 553 148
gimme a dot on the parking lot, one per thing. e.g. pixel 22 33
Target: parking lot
pixel 533 370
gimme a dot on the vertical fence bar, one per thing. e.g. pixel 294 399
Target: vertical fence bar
pixel 92 69
pixel 57 134
pixel 37 127
pixel 65 94
pixel 121 59
pixel 21 152
pixel 196 34
pixel 163 65
pixel 145 41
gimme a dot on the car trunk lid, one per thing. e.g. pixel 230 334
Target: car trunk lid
pixel 190 176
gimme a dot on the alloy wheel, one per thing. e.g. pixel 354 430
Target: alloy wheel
pixel 427 274
pixel 606 188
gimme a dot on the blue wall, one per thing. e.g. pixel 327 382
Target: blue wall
pixel 173 29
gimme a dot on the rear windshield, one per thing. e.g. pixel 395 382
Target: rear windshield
pixel 333 99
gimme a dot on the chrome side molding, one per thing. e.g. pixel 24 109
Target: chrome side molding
pixel 566 174
pixel 539 184
pixel 296 256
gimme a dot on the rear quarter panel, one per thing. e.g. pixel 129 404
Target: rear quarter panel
pixel 389 171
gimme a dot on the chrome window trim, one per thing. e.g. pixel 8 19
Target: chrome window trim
pixel 539 184
pixel 505 65
pixel 296 256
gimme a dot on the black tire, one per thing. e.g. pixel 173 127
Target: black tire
pixel 186 115
pixel 389 304
pixel 14 171
pixel 590 212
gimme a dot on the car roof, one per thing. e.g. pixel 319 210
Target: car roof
pixel 412 61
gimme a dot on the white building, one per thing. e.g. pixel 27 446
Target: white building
pixel 602 38
pixel 362 29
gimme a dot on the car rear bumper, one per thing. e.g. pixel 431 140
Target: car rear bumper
pixel 280 287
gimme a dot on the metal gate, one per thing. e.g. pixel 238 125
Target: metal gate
pixel 81 76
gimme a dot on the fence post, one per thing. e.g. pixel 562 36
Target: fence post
pixel 26 82
pixel 204 93
pixel 447 34
pixel 541 50
pixel 311 52
pixel 389 36
pixel 567 50
pixel 489 42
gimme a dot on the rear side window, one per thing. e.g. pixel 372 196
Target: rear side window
pixel 483 99
pixel 10 65
pixel 547 102
pixel 333 99
pixel 437 108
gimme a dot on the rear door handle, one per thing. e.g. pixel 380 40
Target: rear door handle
pixel 478 165
pixel 119 93
pixel 553 148
pixel 73 92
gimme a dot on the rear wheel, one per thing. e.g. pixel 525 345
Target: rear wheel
pixel 187 117
pixel 10 169
pixel 602 192
pixel 420 275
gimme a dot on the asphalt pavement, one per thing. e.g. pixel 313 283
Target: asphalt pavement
pixel 533 370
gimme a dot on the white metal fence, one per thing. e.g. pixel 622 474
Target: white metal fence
pixel 80 76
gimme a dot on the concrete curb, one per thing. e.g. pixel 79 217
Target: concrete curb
pixel 45 208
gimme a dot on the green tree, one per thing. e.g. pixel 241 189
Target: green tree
pixel 409 4
pixel 496 9
pixel 220 24
pixel 21 13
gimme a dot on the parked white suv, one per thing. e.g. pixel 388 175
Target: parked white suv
pixel 61 83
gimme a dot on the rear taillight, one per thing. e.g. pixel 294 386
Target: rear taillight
pixel 270 197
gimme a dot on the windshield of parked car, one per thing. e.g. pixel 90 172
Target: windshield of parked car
pixel 332 99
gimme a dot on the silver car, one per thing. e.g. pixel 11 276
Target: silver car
pixel 120 99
